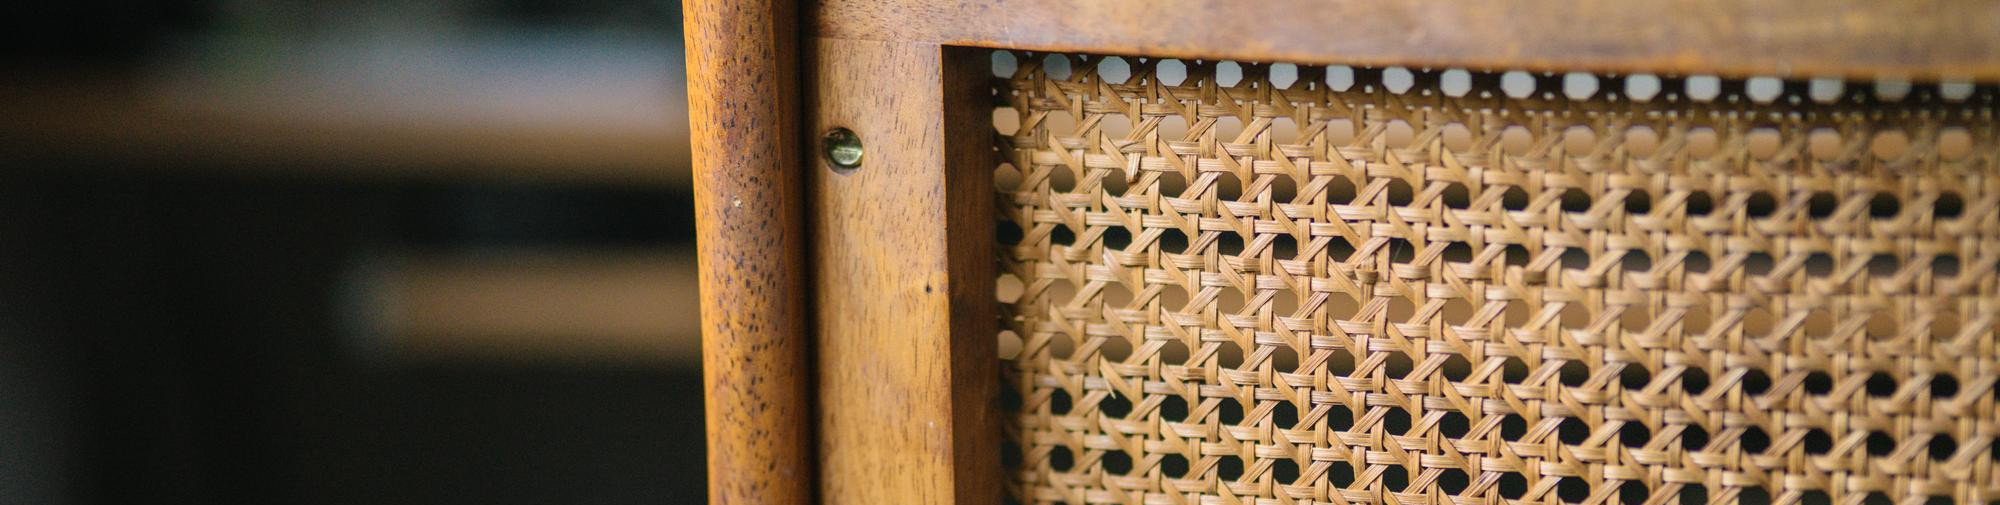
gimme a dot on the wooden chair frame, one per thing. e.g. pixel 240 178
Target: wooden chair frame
pixel 848 322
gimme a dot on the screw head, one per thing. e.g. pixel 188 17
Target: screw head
pixel 842 149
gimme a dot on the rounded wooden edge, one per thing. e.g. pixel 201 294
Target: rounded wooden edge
pixel 743 104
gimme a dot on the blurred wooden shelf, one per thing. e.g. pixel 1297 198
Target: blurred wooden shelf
pixel 599 306
pixel 576 109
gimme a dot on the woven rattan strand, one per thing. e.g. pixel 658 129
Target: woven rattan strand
pixel 1231 283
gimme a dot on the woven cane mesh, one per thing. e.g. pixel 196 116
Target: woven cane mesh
pixel 1233 283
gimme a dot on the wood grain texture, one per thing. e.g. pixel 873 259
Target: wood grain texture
pixel 1923 38
pixel 903 277
pixel 743 105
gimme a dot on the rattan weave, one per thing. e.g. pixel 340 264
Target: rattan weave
pixel 1238 290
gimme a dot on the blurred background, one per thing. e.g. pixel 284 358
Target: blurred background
pixel 346 251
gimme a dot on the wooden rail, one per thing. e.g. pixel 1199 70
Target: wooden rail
pixel 1797 38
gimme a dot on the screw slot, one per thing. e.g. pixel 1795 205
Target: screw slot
pixel 842 149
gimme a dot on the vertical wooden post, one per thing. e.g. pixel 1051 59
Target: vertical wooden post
pixel 743 103
pixel 903 275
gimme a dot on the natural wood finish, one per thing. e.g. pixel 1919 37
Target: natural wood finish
pixel 903 277
pixel 743 104
pixel 975 374
pixel 1782 37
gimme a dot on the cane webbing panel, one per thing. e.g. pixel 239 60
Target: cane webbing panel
pixel 1225 289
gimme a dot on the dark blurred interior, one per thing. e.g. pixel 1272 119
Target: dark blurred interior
pixel 289 251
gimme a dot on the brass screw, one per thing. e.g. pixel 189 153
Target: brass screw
pixel 842 149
